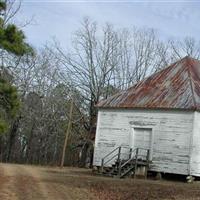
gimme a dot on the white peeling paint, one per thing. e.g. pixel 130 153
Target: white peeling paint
pixel 172 132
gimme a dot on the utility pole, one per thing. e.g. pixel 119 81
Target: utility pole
pixel 67 133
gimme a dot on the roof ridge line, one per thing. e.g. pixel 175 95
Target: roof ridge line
pixel 154 74
pixel 159 90
pixel 191 85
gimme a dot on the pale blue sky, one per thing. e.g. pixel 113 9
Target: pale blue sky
pixel 61 18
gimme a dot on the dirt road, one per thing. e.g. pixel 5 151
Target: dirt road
pixel 20 182
pixel 24 182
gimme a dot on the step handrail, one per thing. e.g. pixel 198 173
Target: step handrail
pixel 111 158
pixel 103 159
pixel 118 155
pixel 130 159
pixel 134 158
pixel 110 153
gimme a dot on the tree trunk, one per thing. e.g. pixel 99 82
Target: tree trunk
pixel 12 136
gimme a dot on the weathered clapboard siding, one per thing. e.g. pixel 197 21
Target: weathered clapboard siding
pixel 171 135
pixel 195 146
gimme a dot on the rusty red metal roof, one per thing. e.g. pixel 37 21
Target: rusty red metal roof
pixel 175 87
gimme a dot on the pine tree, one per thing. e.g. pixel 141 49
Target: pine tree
pixel 12 40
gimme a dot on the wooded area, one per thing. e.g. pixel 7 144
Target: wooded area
pixel 37 85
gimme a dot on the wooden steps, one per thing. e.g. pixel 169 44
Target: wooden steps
pixel 123 168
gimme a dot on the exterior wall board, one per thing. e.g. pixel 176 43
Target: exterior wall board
pixel 171 135
pixel 195 147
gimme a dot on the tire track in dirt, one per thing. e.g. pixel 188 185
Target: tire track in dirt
pixel 28 186
pixel 19 184
pixel 51 187
pixel 7 191
pixel 48 191
pixel 59 184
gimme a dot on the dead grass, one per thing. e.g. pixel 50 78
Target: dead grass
pixel 22 182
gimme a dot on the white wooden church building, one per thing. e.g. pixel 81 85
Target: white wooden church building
pixel 160 113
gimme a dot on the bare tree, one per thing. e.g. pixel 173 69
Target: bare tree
pixel 108 60
pixel 90 65
pixel 101 62
pixel 37 134
pixel 188 47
